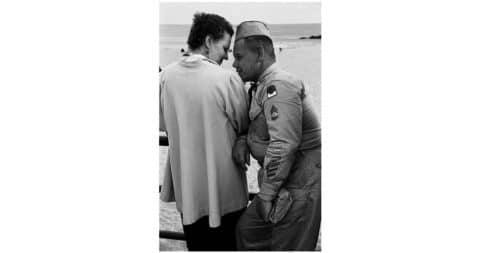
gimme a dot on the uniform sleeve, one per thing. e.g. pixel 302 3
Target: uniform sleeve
pixel 236 104
pixel 283 113
pixel 162 102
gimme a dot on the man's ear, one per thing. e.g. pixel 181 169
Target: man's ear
pixel 260 53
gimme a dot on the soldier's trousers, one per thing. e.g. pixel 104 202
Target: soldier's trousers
pixel 299 228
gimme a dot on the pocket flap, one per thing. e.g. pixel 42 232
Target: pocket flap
pixel 281 205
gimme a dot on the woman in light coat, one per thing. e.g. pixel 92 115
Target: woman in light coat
pixel 204 110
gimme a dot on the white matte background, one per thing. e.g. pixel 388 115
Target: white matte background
pixel 79 126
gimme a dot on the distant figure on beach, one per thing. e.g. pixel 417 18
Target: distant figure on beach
pixel 284 137
pixel 204 110
pixel 182 50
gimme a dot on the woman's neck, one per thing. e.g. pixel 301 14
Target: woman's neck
pixel 200 50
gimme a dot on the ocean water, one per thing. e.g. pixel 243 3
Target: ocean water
pixel 175 36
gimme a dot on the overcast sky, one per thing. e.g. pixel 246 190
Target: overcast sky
pixel 269 12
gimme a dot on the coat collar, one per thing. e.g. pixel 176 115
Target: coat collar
pixel 195 58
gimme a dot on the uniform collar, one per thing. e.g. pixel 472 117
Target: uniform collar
pixel 191 57
pixel 267 72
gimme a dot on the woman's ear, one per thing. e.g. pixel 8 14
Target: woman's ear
pixel 208 41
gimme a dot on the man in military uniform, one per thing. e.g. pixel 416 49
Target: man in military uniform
pixel 284 136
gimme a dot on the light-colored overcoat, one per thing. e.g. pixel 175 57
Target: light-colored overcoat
pixel 203 109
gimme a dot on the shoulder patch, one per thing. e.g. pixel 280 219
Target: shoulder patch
pixel 271 91
pixel 274 112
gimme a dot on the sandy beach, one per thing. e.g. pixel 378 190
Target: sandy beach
pixel 302 59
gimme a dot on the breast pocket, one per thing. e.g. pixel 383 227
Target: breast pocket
pixel 255 110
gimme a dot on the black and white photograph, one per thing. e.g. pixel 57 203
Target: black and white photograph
pixel 239 125
pixel 240 133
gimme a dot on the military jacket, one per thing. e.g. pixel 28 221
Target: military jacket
pixel 283 123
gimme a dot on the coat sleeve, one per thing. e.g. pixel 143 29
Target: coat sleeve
pixel 236 104
pixel 282 107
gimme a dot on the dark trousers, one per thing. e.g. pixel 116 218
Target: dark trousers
pixel 201 237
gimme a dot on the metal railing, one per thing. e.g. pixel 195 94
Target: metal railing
pixel 172 235
pixel 163 140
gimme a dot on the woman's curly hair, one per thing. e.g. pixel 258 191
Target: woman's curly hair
pixel 207 24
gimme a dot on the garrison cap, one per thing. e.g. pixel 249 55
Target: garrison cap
pixel 252 28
